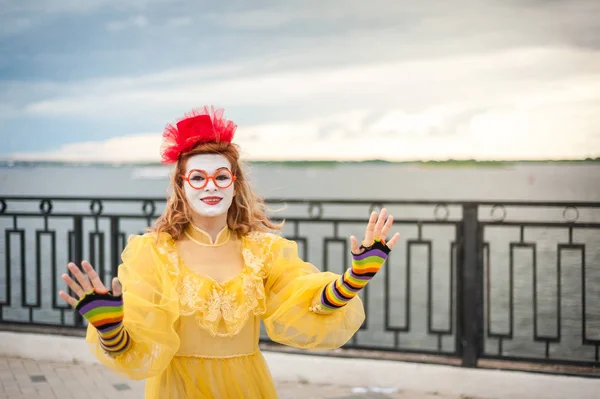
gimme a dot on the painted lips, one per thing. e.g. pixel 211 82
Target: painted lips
pixel 212 200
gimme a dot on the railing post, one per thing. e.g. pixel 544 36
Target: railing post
pixel 78 254
pixel 470 288
pixel 114 247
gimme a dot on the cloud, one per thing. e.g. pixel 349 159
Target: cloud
pixel 15 26
pixel 508 133
pixel 179 22
pixel 485 80
pixel 19 17
pixel 10 7
pixel 475 106
pixel 134 148
pixel 138 21
pixel 254 19
pixel 428 78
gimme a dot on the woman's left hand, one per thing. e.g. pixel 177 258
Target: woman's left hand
pixel 378 227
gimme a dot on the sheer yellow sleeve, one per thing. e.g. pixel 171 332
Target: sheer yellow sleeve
pixel 150 307
pixel 291 288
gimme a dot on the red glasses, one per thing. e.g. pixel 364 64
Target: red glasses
pixel 198 179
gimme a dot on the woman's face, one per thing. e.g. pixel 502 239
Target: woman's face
pixel 210 188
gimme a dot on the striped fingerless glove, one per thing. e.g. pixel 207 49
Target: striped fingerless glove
pixel 105 312
pixel 364 266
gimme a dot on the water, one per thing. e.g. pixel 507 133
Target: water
pixel 525 182
pixel 543 182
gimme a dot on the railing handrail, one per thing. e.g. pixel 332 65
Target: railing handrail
pixel 536 203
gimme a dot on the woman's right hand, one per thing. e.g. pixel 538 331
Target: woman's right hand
pixel 101 308
pixel 86 284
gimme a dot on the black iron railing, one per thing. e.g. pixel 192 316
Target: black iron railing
pixel 473 281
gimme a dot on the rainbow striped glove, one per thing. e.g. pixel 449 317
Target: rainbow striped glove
pixel 105 312
pixel 364 266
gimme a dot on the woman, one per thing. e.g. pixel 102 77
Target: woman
pixel 186 308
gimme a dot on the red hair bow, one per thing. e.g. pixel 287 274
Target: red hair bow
pixel 200 125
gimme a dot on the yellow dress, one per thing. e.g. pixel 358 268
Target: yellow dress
pixel 193 309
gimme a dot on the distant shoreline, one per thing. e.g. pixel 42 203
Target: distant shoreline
pixel 323 163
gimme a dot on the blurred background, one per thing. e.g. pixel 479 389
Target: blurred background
pixel 97 80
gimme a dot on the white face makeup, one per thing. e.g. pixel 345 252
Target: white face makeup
pixel 210 200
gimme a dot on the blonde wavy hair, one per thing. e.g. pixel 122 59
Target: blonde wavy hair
pixel 247 213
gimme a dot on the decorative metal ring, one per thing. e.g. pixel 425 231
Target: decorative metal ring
pixel 148 208
pixel 2 206
pixel 503 215
pixel 311 208
pixel 436 214
pixel 46 206
pixel 96 207
pixel 375 207
pixel 576 216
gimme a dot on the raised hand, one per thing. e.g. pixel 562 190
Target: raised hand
pixel 378 228
pixel 86 285
pixel 367 259
pixel 101 308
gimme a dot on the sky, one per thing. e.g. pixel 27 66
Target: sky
pixel 97 80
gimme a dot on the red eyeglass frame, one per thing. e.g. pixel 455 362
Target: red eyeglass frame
pixel 208 178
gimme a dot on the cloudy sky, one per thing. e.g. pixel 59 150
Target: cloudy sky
pixel 97 80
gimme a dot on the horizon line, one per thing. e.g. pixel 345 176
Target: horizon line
pixel 21 162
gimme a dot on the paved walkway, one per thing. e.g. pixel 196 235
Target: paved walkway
pixel 28 379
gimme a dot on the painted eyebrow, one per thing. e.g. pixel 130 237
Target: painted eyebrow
pixel 202 170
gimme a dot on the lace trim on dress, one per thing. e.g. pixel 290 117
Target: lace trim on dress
pixel 223 309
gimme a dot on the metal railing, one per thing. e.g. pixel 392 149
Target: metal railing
pixel 469 281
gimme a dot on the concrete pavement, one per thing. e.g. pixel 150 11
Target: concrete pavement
pixel 30 379
pixel 52 357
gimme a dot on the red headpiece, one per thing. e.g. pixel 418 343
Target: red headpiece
pixel 200 125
